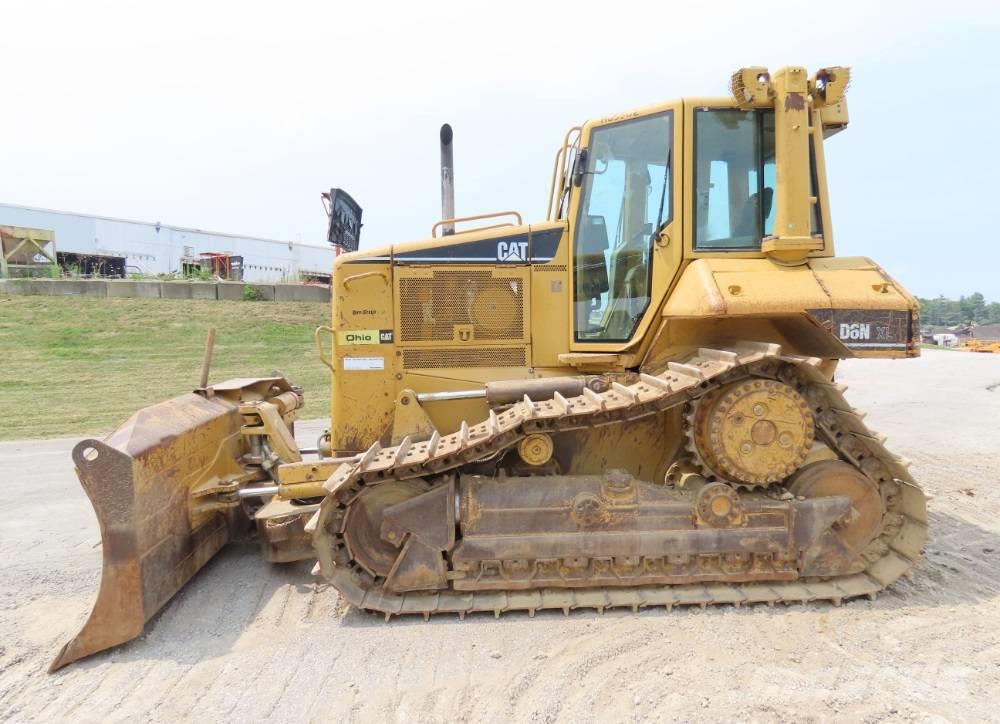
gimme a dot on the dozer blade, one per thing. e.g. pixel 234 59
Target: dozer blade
pixel 162 486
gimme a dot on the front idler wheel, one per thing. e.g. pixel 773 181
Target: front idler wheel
pixel 363 528
pixel 834 477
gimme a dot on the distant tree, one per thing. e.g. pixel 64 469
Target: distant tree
pixel 927 310
pixel 977 305
pixel 972 309
pixel 930 311
pixel 965 308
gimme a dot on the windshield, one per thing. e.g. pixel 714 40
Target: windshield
pixel 624 202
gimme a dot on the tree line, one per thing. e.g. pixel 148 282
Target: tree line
pixel 944 312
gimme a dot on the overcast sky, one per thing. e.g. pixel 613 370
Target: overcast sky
pixel 234 116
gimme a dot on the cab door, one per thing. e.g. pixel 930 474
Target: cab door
pixel 625 222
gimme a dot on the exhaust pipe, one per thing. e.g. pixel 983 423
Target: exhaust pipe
pixel 447 179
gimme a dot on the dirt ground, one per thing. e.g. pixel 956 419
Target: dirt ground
pixel 252 641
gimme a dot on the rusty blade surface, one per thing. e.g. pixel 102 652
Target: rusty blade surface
pixel 139 481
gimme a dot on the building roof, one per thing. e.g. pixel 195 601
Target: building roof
pixel 986 331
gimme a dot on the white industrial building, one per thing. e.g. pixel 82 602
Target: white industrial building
pixel 155 248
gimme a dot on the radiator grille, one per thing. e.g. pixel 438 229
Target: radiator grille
pixel 491 303
pixel 479 357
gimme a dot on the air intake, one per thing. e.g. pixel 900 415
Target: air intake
pixel 435 307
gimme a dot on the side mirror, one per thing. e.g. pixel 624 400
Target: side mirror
pixel 580 167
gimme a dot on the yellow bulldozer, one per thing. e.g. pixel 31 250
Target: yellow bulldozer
pixel 629 404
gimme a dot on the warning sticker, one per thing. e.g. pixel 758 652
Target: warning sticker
pixel 365 336
pixel 354 364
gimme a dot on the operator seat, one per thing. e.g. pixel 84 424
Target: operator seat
pixel 753 212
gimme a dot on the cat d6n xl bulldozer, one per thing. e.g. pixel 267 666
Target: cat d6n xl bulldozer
pixel 629 404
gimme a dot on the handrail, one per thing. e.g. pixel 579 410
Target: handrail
pixel 492 226
pixel 477 217
pixel 319 346
pixel 565 162
pixel 552 182
pixel 558 186
pixel 365 275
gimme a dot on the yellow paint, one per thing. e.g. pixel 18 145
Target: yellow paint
pixel 458 325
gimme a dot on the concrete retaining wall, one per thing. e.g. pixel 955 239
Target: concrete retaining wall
pixel 163 290
pixel 301 293
pixel 146 290
pixel 229 290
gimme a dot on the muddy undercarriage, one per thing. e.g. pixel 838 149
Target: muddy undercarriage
pixel 816 508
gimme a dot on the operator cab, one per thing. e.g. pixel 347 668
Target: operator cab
pixel 625 212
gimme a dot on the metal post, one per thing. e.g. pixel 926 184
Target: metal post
pixel 206 362
pixel 792 239
pixel 447 179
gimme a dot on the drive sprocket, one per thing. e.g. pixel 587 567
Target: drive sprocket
pixel 752 432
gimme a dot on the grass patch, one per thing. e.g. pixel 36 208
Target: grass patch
pixel 72 365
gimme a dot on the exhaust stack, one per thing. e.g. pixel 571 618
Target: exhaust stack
pixel 447 179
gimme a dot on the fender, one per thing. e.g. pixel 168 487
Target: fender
pixel 827 307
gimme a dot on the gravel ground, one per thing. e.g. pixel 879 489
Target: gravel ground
pixel 253 641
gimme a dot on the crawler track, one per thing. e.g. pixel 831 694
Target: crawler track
pixel 890 555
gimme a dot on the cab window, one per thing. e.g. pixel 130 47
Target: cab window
pixel 625 201
pixel 734 178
